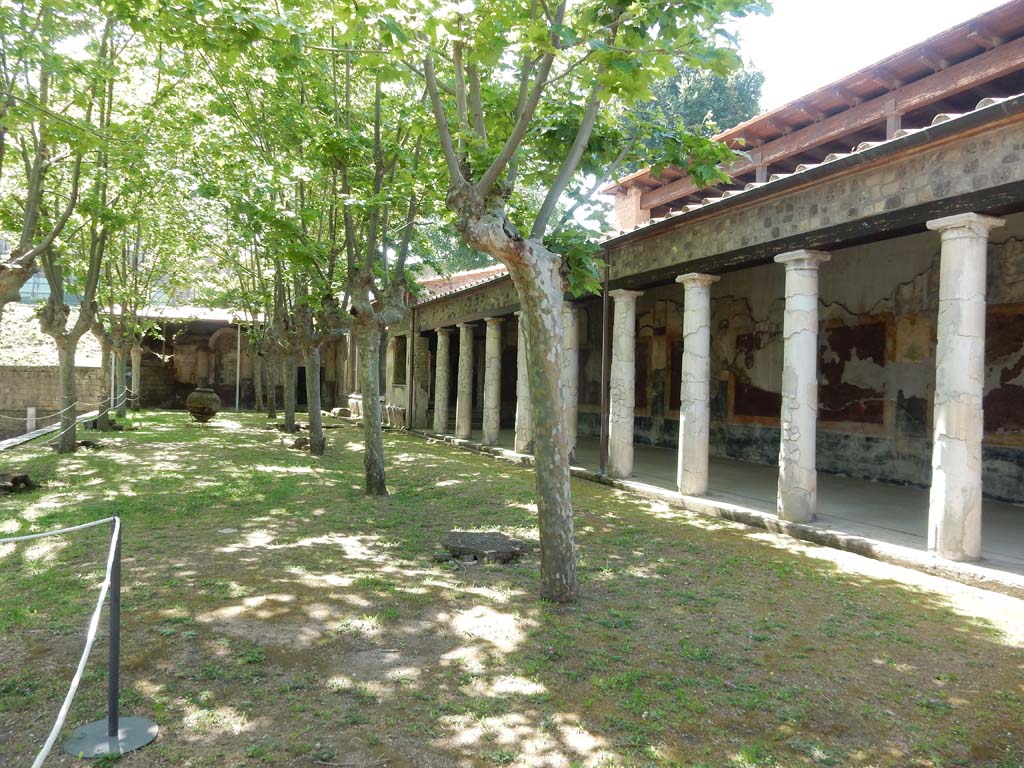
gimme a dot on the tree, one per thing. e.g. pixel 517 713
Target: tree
pixel 701 101
pixel 337 130
pixel 41 93
pixel 59 264
pixel 522 96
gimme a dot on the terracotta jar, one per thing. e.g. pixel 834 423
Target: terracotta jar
pixel 203 403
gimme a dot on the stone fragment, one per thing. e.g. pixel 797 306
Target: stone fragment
pixel 9 483
pixel 484 546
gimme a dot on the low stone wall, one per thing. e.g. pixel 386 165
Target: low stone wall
pixel 23 387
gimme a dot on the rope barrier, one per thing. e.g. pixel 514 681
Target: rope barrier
pixel 30 536
pixel 90 637
pixel 94 622
pixel 39 418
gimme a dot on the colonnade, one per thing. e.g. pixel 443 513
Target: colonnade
pixel 954 516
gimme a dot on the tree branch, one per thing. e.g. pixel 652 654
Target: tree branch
pixel 569 165
pixel 454 169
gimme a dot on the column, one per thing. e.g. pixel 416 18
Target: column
pixel 954 504
pixel 695 385
pixel 524 416
pixel 492 381
pixel 420 351
pixel 464 395
pixel 570 383
pixel 622 384
pixel 441 380
pixel 798 479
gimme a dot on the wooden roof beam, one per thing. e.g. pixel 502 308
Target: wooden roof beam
pixel 815 114
pixel 984 37
pixel 886 79
pixel 930 89
pixel 847 96
pixel 933 62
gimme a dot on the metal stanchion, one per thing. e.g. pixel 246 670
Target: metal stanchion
pixel 116 735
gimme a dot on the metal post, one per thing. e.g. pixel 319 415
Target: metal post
pixel 117 735
pixel 602 450
pixel 238 367
pixel 114 658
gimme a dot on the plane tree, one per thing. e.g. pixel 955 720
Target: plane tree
pixel 528 97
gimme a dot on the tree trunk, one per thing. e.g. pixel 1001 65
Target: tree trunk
pixel 536 273
pixel 368 339
pixel 289 392
pixel 340 369
pixel 271 368
pixel 121 371
pixel 257 382
pixel 316 423
pixel 541 296
pixel 136 399
pixel 11 280
pixel 103 420
pixel 68 440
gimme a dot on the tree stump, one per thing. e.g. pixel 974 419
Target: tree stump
pixel 484 546
pixel 10 483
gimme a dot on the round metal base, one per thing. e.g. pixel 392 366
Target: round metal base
pixel 92 741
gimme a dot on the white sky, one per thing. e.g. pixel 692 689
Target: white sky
pixel 806 44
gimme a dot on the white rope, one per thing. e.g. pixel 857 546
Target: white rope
pixel 40 418
pixel 90 636
pixel 64 432
pixel 30 536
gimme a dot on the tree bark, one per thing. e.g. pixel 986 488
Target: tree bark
pixel 136 399
pixel 536 273
pixel 289 392
pixel 121 374
pixel 542 299
pixel 316 424
pixel 273 363
pixel 68 440
pixel 368 338
pixel 257 382
pixel 103 420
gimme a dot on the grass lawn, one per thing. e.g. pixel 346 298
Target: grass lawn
pixel 275 616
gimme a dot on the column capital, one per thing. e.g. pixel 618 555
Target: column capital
pixel 621 294
pixel 494 320
pixel 697 278
pixel 445 330
pixel 802 259
pixel 465 326
pixel 967 223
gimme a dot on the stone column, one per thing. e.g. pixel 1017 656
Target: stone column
pixel 441 380
pixel 798 479
pixel 954 504
pixel 524 416
pixel 695 385
pixel 571 371
pixel 420 351
pixel 492 381
pixel 464 396
pixel 622 384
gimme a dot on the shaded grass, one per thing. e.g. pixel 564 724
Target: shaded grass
pixel 276 616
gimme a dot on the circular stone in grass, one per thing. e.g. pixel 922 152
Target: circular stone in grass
pixel 483 546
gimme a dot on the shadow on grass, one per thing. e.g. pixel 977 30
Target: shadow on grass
pixel 274 615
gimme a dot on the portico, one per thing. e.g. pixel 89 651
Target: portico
pixel 856 309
